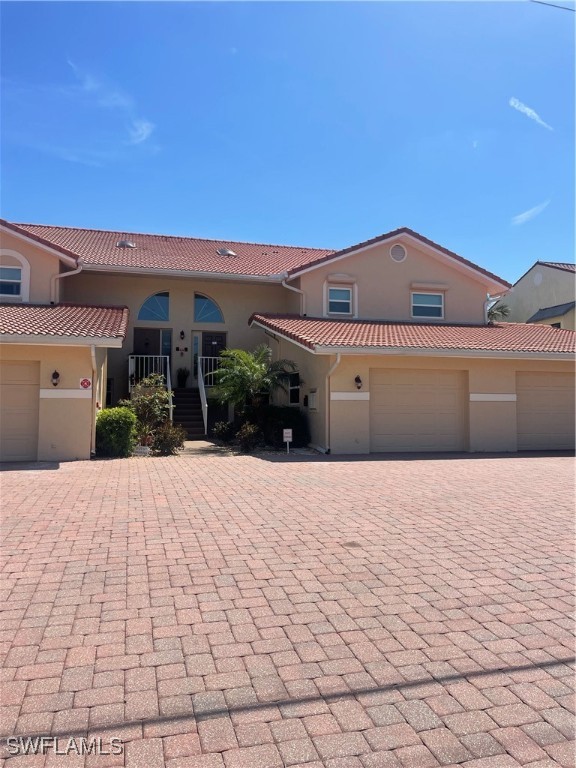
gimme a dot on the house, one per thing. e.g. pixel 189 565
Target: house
pixel 545 294
pixel 390 336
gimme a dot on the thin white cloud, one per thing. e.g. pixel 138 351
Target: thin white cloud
pixel 110 97
pixel 140 130
pixel 522 218
pixel 529 112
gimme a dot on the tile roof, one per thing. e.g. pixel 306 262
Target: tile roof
pixel 66 320
pixel 98 248
pixel 566 266
pixel 167 252
pixel 556 311
pixel 317 333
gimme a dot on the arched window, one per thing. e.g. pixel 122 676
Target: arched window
pixel 156 307
pixel 206 310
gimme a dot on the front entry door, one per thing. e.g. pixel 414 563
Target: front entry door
pixel 212 345
pixel 147 341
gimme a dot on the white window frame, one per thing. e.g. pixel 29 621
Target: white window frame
pixel 426 293
pixel 339 287
pixel 24 267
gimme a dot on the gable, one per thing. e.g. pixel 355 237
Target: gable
pixel 35 264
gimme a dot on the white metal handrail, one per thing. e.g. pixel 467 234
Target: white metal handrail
pixel 208 366
pixel 203 399
pixel 142 366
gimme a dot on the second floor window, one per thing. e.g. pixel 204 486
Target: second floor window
pixel 156 307
pixel 10 281
pixel 428 305
pixel 340 301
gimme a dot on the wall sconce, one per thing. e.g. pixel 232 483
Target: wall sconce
pixel 358 382
pixel 182 335
pixel 55 379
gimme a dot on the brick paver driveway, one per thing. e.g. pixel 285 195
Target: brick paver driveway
pixel 252 613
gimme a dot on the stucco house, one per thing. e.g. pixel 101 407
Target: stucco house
pixel 390 336
pixel 545 294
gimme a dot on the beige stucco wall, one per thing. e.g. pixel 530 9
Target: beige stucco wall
pixel 384 287
pixel 491 425
pixel 43 265
pixel 65 422
pixel 539 288
pixel 237 300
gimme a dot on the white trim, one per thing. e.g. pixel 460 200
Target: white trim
pixel 24 295
pixel 57 341
pixel 65 394
pixel 480 276
pixel 68 259
pixel 276 278
pixel 350 396
pixel 352 290
pixel 492 398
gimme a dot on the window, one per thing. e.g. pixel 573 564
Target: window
pixel 10 281
pixel 340 301
pixel 428 305
pixel 206 310
pixel 294 388
pixel 157 307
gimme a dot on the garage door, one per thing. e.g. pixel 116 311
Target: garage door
pixel 415 410
pixel 545 411
pixel 19 393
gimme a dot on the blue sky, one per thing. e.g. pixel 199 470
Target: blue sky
pixel 319 124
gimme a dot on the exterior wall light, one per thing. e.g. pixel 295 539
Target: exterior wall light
pixel 182 335
pixel 358 382
pixel 55 379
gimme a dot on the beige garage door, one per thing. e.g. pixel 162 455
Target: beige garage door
pixel 545 411
pixel 19 393
pixel 416 410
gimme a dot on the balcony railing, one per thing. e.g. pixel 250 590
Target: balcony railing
pixel 142 366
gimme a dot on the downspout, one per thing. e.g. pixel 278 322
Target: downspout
pixel 61 276
pixel 296 290
pixel 328 375
pixel 94 394
pixel 489 299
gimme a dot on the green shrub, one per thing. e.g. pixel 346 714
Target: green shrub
pixel 168 439
pixel 249 437
pixel 115 432
pixel 224 431
pixel 272 419
pixel 150 402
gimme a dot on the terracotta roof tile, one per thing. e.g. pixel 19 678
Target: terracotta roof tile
pixel 166 252
pixel 502 337
pixel 66 320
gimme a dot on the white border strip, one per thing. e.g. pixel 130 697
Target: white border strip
pixel 350 396
pixel 492 398
pixel 65 394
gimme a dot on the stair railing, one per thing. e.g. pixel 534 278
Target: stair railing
pixel 203 398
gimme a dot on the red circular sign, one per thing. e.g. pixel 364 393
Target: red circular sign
pixel 85 383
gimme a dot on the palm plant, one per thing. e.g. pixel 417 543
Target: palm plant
pixel 498 312
pixel 246 378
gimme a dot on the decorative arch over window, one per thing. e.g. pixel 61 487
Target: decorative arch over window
pixel 14 279
pixel 156 307
pixel 206 310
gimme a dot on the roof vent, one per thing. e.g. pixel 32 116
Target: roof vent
pixel 225 252
pixel 397 253
pixel 125 244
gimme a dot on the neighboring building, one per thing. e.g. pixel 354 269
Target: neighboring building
pixel 545 294
pixel 390 337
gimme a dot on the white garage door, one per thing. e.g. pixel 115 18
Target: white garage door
pixel 545 411
pixel 416 410
pixel 19 393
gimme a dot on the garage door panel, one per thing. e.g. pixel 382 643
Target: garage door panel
pixel 418 410
pixel 545 411
pixel 19 410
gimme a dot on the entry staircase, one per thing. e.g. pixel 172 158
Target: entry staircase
pixel 188 413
